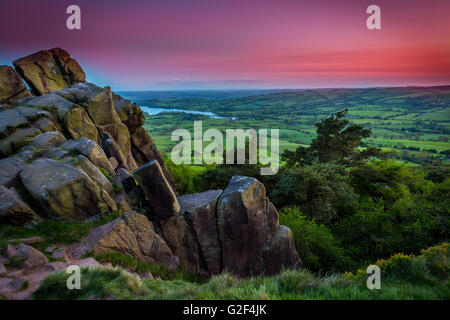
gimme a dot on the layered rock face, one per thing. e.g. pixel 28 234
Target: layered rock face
pixel 73 151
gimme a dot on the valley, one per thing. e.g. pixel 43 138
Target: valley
pixel 411 122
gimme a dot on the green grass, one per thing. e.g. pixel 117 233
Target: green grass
pixel 288 285
pixel 400 279
pixel 129 263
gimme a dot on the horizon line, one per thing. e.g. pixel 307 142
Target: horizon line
pixel 294 89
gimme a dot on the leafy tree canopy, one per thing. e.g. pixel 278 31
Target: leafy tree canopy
pixel 337 141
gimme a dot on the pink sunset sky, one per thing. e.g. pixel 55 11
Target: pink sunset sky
pixel 229 44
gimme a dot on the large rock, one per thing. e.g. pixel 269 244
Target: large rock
pixel 91 150
pixel 20 137
pixel 41 145
pixel 131 191
pixel 98 103
pixel 9 171
pixel 242 222
pixel 12 87
pixel 71 117
pixel 62 191
pixel 133 235
pixel 113 150
pixel 18 125
pixel 181 239
pixel 249 232
pixel 32 258
pixel 200 210
pixel 79 125
pixel 144 150
pixel 48 140
pixel 129 113
pixel 13 210
pixel 49 70
pixel 160 195
pixel 93 172
pixel 50 102
pixel 280 251
pixel 11 119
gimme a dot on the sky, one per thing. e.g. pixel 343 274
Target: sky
pixel 244 44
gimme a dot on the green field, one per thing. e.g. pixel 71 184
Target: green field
pixel 412 121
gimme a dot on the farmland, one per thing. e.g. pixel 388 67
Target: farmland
pixel 411 122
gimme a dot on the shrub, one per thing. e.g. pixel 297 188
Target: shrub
pixel 322 191
pixel 187 178
pixel 315 244
pixel 431 267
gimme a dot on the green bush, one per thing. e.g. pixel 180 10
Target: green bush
pixel 430 267
pixel 400 211
pixel 187 179
pixel 322 191
pixel 315 244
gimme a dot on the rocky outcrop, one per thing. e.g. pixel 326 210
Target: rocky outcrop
pixel 247 225
pixel 132 234
pixel 70 117
pixel 49 70
pixel 99 105
pixel 12 87
pixel 235 230
pixel 159 192
pixel 79 125
pixel 94 173
pixel 62 191
pixel 67 153
pixel 242 221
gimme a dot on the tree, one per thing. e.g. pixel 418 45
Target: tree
pixel 337 141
